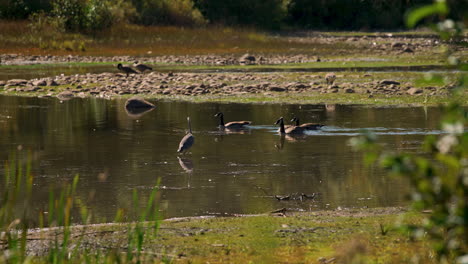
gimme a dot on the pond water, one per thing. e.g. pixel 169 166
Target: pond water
pixel 44 70
pixel 224 173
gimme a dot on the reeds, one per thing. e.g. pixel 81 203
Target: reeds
pixel 63 235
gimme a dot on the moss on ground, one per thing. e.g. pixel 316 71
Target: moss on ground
pixel 367 235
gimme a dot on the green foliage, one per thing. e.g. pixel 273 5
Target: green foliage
pixel 70 14
pixel 439 176
pixel 83 15
pixel 332 14
pixel 64 203
pixel 425 11
pixel 366 14
pixel 21 9
pixel 258 13
pixel 98 15
pixel 122 11
pixel 169 12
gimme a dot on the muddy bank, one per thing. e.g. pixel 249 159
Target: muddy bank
pixel 108 85
pixel 350 46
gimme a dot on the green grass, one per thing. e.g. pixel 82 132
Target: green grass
pixel 17 37
pixel 296 238
pixel 355 65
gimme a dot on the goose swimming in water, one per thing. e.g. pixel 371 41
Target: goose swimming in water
pixel 231 125
pixel 290 129
pixel 308 126
pixel 188 140
pixel 125 69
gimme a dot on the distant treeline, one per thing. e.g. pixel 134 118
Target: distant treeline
pixel 82 15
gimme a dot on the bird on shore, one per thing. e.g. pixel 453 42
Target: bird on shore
pixel 188 140
pixel 330 78
pixel 290 129
pixel 125 69
pixel 142 67
pixel 308 126
pixel 231 125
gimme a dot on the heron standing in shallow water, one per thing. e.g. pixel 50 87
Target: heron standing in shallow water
pixel 188 140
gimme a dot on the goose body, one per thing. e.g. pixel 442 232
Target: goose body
pixel 231 125
pixel 290 129
pixel 125 69
pixel 307 126
pixel 142 67
pixel 187 141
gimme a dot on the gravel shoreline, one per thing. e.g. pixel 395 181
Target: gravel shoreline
pixel 109 85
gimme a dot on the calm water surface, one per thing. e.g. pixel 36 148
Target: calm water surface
pixel 115 153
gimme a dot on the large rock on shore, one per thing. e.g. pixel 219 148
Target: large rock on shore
pixel 17 82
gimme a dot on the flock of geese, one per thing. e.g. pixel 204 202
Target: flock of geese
pixel 188 140
pixel 140 67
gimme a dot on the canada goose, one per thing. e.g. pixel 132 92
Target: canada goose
pixel 289 130
pixel 125 69
pixel 188 140
pixel 247 59
pixel 142 67
pixel 308 196
pixel 308 126
pixel 330 78
pixel 231 125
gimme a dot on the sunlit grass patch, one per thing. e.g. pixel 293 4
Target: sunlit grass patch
pixel 125 39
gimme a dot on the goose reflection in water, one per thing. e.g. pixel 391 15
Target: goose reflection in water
pixel 187 165
pixel 290 138
pixel 137 113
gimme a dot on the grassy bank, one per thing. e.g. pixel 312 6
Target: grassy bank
pixel 20 37
pixel 362 235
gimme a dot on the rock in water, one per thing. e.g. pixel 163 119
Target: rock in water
pixel 136 102
pixel 136 106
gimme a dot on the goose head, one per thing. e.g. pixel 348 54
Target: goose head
pixel 279 121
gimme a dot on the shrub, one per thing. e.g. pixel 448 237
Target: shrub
pixel 261 13
pixel 122 11
pixel 439 175
pixel 83 15
pixel 359 14
pixel 98 15
pixel 70 14
pixel 21 9
pixel 168 12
